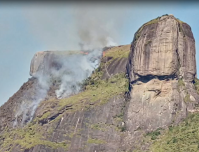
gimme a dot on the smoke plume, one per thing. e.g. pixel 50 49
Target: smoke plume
pixel 94 30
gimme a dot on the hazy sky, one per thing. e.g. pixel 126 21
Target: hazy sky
pixel 26 28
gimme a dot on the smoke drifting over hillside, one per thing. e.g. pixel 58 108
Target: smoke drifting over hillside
pixel 64 71
pixel 95 30
pixel 26 110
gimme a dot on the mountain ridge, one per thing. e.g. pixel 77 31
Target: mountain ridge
pixel 128 103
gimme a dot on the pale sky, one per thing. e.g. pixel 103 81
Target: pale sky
pixel 26 28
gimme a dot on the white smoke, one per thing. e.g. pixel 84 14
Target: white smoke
pixel 94 30
pixel 30 103
pixel 95 27
pixel 75 69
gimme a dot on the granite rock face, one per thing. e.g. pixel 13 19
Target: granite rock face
pixel 136 89
pixel 155 104
pixel 43 62
pixel 162 69
pixel 163 47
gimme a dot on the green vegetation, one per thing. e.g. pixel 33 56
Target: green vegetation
pixel 44 115
pixel 118 52
pixel 180 83
pixel 181 138
pixel 179 20
pixel 180 26
pixel 96 92
pixel 148 42
pixel 119 117
pixel 196 84
pixel 122 128
pixel 95 126
pixel 95 141
pixel 154 134
pixel 27 137
pixel 138 33
pixel 99 126
pixel 187 98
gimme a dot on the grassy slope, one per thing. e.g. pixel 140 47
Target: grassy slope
pixel 96 91
pixel 181 138
pixel 29 136
pixel 118 52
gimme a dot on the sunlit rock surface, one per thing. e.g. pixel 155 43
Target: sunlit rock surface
pixel 137 89
pixel 163 47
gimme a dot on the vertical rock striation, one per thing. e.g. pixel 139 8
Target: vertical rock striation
pixel 113 112
pixel 164 46
pixel 161 69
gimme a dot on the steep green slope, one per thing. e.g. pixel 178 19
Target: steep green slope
pixel 181 138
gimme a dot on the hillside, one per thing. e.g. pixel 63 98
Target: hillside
pixel 140 97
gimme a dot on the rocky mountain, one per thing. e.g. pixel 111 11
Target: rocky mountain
pixel 141 97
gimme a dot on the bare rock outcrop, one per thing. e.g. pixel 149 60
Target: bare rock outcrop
pixel 155 104
pixel 164 46
pixel 43 62
pixel 162 69
pixel 133 91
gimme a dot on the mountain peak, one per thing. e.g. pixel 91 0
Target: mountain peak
pixel 136 91
pixel 164 46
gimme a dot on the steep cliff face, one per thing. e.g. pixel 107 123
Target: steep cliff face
pixel 164 46
pixel 162 70
pixel 136 89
